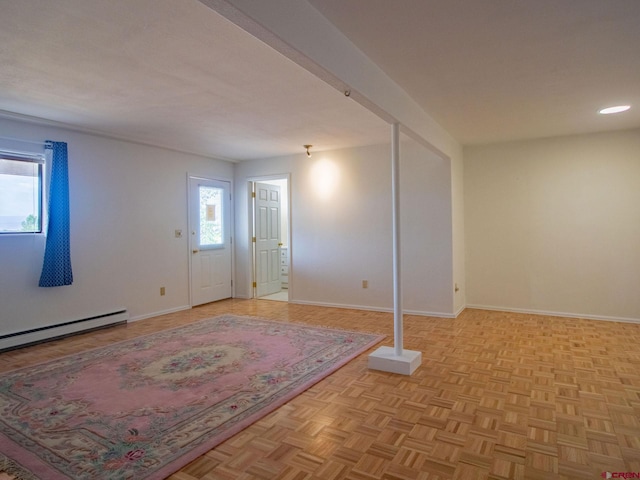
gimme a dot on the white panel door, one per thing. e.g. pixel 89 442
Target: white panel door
pixel 268 241
pixel 209 239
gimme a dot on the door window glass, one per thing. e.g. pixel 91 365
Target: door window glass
pixel 211 227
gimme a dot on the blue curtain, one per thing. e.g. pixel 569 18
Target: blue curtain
pixel 56 270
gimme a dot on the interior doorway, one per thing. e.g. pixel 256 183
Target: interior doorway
pixel 271 238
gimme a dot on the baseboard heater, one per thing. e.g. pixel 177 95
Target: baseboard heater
pixel 43 334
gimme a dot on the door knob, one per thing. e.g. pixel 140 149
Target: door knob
pixel 280 244
pixel 196 251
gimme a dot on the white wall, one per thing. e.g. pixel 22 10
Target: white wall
pixel 426 229
pixel 342 238
pixel 126 201
pixel 553 225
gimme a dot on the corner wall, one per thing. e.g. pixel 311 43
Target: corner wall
pixel 458 233
pixel 126 201
pixel 553 225
pixel 343 236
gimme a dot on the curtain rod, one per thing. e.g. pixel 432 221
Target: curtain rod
pixel 23 141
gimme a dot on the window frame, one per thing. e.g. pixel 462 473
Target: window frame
pixel 40 160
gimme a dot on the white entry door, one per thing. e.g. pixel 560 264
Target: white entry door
pixel 209 239
pixel 268 241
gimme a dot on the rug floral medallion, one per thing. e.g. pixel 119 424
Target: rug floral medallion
pixel 144 408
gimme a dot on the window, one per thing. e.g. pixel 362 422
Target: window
pixel 20 192
pixel 211 234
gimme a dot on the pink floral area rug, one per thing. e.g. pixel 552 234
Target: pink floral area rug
pixel 144 408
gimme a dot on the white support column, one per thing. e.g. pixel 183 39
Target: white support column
pixel 395 220
pixel 396 360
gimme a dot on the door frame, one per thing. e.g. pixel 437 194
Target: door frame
pixel 252 226
pixel 231 226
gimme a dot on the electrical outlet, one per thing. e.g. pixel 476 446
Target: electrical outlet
pixel 365 283
pixel 161 291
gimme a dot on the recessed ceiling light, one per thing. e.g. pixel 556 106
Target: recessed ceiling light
pixel 616 109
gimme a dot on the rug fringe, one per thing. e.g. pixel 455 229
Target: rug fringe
pixel 14 469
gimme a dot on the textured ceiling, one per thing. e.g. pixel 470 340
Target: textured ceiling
pixel 176 74
pixel 169 73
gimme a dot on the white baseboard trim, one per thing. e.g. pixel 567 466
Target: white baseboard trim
pixel 459 311
pixel 373 309
pixel 157 314
pixel 340 305
pixel 429 314
pixel 555 314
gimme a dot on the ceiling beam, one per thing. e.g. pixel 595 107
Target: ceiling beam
pixel 301 33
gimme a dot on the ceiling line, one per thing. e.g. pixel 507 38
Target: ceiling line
pixel 315 44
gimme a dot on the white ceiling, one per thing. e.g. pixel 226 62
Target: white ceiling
pixel 500 70
pixel 176 74
pixel 171 73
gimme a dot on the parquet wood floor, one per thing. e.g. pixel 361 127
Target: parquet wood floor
pixel 498 396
